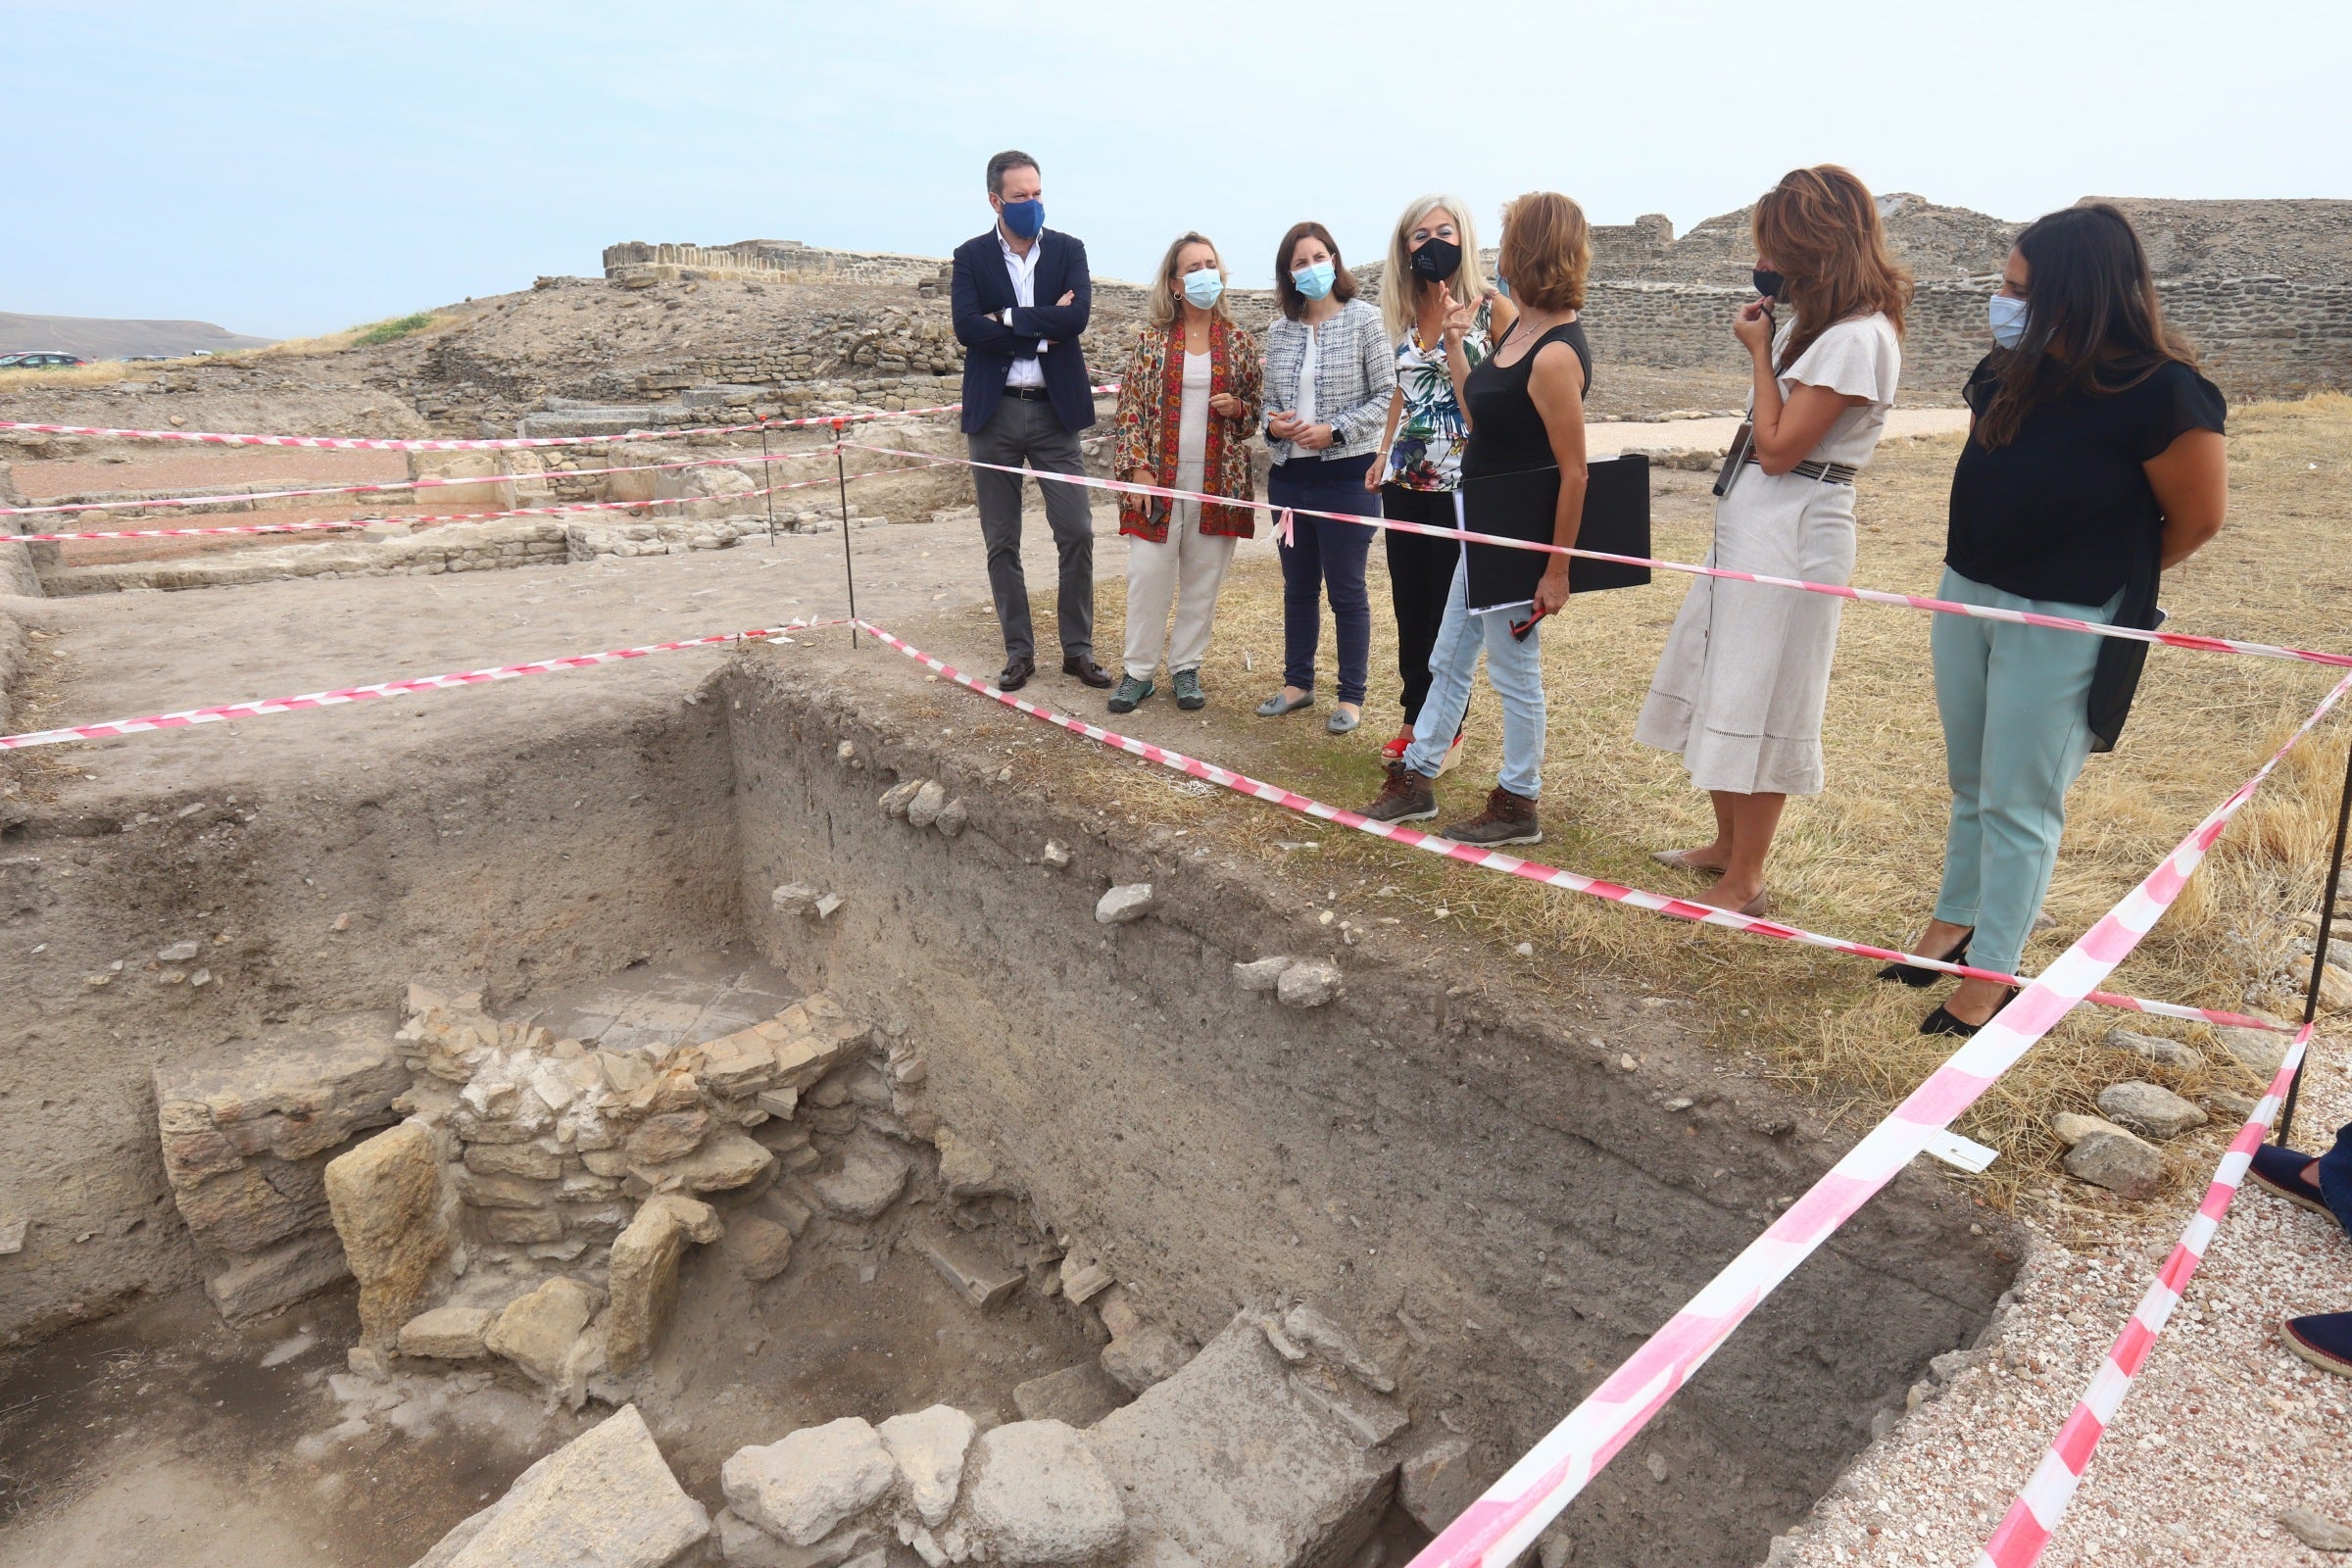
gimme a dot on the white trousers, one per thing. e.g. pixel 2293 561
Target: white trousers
pixel 1186 568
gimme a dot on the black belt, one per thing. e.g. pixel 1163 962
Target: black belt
pixel 1029 394
pixel 1825 473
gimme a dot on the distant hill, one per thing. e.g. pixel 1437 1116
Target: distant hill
pixel 96 337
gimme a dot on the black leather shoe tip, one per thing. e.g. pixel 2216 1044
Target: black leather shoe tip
pixel 1919 979
pixel 1088 672
pixel 1015 674
pixel 1940 1022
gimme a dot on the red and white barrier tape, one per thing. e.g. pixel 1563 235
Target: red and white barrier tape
pixel 2032 1519
pixel 1873 596
pixel 109 728
pixel 388 485
pixel 1494 1529
pixel 1534 870
pixel 823 480
pixel 346 443
pixel 1515 1510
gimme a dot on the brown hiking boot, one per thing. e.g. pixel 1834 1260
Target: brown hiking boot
pixel 1406 798
pixel 1507 819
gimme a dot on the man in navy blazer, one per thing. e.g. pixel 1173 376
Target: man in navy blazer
pixel 1025 399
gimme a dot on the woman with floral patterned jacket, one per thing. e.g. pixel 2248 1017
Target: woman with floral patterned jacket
pixel 1188 404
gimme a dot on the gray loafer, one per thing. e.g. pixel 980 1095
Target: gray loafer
pixel 1274 706
pixel 1342 721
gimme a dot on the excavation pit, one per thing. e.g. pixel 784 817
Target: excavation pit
pixel 1465 1180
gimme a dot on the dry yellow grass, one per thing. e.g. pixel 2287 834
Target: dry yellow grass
pixel 1862 859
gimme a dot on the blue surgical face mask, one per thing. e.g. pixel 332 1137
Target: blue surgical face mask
pixel 1203 287
pixel 2008 316
pixel 1314 282
pixel 1025 220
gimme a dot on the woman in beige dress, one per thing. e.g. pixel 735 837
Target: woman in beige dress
pixel 1741 689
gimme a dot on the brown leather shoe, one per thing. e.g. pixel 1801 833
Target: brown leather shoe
pixel 1015 674
pixel 1088 672
pixel 1507 819
pixel 1406 798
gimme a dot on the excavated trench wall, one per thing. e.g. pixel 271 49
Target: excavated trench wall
pixel 1477 1193
pixel 1495 1207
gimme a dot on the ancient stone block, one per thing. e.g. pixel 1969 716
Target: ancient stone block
pixel 980 1279
pixel 738 1065
pixel 283 1274
pixel 802 1487
pixel 503 1192
pixel 964 1167
pixel 519 1227
pixel 605 1498
pixel 1170 1451
pixel 873 1172
pixel 536 1331
pixel 730 1160
pixel 672 1136
pixel 928 1447
pixel 1077 1396
pixel 297 1094
pixel 644 1281
pixel 1037 1494
pixel 1434 1482
pixel 392 1216
pixel 761 1248
pixel 257 1204
pixel 447 1334
pixel 1262 974
pixel 1149 1355
pixel 527 1161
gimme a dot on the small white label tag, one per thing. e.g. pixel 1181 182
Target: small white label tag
pixel 1963 1153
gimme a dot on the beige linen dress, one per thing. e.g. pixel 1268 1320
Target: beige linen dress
pixel 1741 688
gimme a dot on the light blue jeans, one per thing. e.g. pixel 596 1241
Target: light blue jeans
pixel 1515 670
pixel 2016 708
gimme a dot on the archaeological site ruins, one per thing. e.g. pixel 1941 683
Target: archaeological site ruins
pixel 761 1103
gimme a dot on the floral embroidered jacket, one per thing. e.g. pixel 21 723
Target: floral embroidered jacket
pixel 1151 409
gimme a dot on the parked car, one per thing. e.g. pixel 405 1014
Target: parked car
pixel 43 360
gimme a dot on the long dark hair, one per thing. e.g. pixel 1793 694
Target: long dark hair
pixel 1821 228
pixel 2092 300
pixel 1286 292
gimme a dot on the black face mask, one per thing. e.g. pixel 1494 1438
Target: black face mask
pixel 1437 260
pixel 1768 283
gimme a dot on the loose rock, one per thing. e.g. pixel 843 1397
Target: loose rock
pixel 928 1447
pixel 644 1281
pixel 2118 1162
pixel 393 1218
pixel 1434 1482
pixel 1053 857
pixel 928 802
pixel 2316 1530
pixel 1309 983
pixel 873 1171
pixel 760 1248
pixel 1150 1354
pixel 605 1498
pixel 794 898
pixel 1263 974
pixel 2149 1110
pixel 953 818
pixel 899 797
pixel 1038 1494
pixel 2258 1051
pixel 536 1332
pixel 812 1480
pixel 447 1334
pixel 1077 1396
pixel 1128 902
pixel 2156 1047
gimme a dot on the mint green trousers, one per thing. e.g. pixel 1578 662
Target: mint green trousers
pixel 2015 703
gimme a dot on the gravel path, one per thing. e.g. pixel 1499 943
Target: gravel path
pixel 2223 1431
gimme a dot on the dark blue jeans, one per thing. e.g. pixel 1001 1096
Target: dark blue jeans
pixel 1328 559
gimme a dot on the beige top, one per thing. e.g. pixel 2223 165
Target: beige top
pixel 1861 357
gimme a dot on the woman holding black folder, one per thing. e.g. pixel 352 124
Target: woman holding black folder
pixel 1522 476
pixel 1741 689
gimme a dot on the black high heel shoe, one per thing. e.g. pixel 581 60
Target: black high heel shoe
pixel 1919 979
pixel 1941 1021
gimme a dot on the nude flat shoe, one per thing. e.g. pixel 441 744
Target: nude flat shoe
pixel 1683 860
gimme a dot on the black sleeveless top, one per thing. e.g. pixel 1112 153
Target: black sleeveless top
pixel 1511 479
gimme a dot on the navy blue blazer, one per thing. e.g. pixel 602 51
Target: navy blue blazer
pixel 982 288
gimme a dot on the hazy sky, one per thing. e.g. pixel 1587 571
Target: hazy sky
pixel 286 169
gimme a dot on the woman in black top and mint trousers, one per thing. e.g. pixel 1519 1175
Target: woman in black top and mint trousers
pixel 2095 460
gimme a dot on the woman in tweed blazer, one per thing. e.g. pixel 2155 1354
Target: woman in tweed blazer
pixel 1329 374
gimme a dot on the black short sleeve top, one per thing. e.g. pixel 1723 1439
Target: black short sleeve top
pixel 2064 510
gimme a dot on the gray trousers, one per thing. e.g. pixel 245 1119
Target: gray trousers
pixel 1027 432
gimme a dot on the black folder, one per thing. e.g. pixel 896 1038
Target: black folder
pixel 1616 519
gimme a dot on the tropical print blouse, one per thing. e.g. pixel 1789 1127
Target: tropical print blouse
pixel 1151 409
pixel 1431 431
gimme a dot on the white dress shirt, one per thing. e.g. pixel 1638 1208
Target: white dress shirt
pixel 1023 270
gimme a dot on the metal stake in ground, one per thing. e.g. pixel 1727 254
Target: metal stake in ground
pixel 2319 946
pixel 768 482
pixel 848 567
